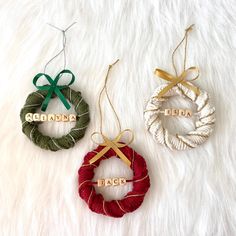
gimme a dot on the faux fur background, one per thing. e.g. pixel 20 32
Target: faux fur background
pixel 192 192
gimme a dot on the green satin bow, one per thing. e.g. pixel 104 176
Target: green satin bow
pixel 52 87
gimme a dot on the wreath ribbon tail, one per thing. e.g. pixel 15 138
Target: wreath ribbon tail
pixel 164 75
pixel 191 87
pixel 169 87
pixel 122 156
pixel 62 98
pixel 99 155
pixel 46 100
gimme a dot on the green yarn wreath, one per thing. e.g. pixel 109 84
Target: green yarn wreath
pixel 30 129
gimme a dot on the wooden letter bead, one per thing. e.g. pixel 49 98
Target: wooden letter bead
pixel 51 117
pixel 101 182
pixel 178 112
pixel 188 113
pixel 167 112
pixel 108 182
pixel 43 117
pixel 58 117
pixel 181 112
pixel 36 117
pixel 115 181
pixel 111 182
pixel 65 117
pixel 29 117
pixel 175 112
pixel 122 181
pixel 72 117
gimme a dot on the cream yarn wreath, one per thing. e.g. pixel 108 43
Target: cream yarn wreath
pixel 205 119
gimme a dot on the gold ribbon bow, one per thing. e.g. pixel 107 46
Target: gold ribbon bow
pixel 174 80
pixel 114 144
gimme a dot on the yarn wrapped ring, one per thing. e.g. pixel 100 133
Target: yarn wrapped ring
pixel 30 129
pixel 205 119
pixel 114 208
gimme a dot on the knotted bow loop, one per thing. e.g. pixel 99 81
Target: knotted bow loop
pixel 52 87
pixel 114 144
pixel 174 80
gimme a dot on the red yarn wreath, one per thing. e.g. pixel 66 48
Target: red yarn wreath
pixel 114 208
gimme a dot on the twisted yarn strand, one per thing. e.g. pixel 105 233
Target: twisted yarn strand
pixel 204 123
pixel 114 208
pixel 30 129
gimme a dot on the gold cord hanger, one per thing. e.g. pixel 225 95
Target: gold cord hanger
pixel 107 143
pixel 109 100
pixel 190 28
pixel 179 79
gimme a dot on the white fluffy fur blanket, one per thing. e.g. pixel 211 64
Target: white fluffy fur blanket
pixel 192 192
